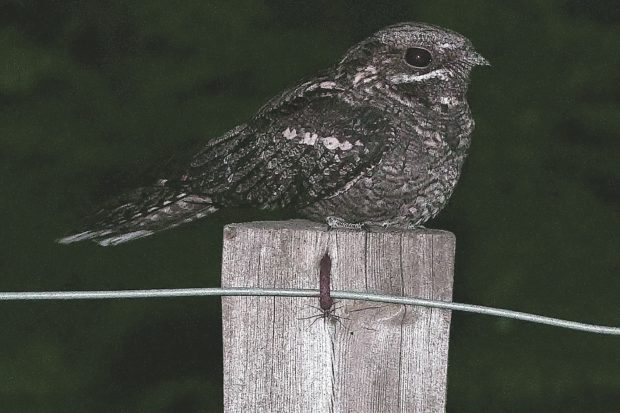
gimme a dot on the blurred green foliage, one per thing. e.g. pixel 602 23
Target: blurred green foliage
pixel 92 90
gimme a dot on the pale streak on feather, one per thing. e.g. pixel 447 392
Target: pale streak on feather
pixel 330 143
pixel 309 138
pixel 405 78
pixel 365 75
pixel 289 134
pixel 119 239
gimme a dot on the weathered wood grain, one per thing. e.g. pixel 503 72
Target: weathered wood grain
pixel 375 358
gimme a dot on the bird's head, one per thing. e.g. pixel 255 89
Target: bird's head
pixel 416 61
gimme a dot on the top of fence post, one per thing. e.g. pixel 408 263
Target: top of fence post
pixel 373 358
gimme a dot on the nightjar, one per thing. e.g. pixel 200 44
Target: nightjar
pixel 377 139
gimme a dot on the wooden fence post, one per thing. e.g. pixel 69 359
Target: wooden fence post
pixel 376 358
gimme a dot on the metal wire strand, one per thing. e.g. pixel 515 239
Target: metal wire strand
pixel 343 295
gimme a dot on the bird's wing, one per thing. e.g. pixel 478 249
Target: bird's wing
pixel 306 144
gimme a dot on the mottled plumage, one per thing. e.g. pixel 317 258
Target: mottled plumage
pixel 378 139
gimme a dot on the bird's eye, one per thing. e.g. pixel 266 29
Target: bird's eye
pixel 418 57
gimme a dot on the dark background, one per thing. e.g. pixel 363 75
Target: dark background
pixel 93 90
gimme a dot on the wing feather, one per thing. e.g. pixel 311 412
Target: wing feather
pixel 306 144
pixel 309 143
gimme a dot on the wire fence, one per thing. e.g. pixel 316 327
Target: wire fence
pixel 343 295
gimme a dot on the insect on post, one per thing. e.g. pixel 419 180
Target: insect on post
pixel 378 358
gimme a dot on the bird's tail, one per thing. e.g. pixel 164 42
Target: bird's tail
pixel 141 213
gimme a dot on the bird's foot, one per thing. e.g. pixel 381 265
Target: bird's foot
pixel 393 223
pixel 414 226
pixel 336 222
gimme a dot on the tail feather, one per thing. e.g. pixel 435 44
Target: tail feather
pixel 141 213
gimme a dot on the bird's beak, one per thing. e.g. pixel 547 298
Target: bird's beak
pixel 476 59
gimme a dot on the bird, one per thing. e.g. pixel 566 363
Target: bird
pixel 378 139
